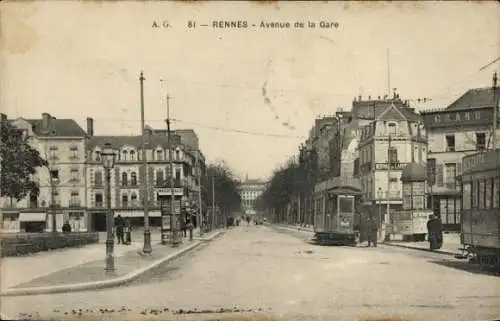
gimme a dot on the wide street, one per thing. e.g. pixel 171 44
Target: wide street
pixel 259 267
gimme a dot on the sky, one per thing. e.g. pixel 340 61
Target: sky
pixel 250 94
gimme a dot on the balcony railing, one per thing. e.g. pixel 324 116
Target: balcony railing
pixel 99 204
pixel 391 195
pixel 75 204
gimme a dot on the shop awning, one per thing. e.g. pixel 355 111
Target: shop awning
pixel 137 213
pixel 32 217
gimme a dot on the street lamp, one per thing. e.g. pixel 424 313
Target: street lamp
pixel 108 157
pixel 380 194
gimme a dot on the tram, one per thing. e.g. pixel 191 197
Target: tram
pixel 480 222
pixel 336 215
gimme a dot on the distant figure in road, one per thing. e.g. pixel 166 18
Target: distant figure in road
pixel 435 232
pixel 128 230
pixel 248 220
pixel 183 225
pixel 372 231
pixel 66 227
pixel 190 226
pixel 120 224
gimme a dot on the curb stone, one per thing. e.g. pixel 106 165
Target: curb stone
pixel 420 249
pixel 102 284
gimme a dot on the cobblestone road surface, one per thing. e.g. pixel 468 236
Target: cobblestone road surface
pixel 258 267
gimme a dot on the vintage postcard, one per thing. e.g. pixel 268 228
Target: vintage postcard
pixel 250 160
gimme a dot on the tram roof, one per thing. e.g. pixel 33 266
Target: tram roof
pixel 486 161
pixel 339 184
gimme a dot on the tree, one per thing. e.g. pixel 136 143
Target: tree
pixel 226 186
pixel 285 182
pixel 19 163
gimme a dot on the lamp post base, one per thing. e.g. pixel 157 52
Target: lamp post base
pixel 147 242
pixel 110 258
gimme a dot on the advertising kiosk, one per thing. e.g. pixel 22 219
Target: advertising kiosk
pixel 170 216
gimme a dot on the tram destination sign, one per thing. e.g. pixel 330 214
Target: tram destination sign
pixel 458 117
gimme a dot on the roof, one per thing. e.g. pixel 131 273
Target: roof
pixel 60 128
pixel 373 109
pixel 414 172
pixel 474 98
pixel 135 141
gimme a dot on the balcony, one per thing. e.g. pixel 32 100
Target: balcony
pixel 73 157
pixel 99 204
pixel 391 195
pixel 75 203
pixel 74 180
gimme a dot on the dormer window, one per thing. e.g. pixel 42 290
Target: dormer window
pixel 132 155
pixel 178 154
pixel 124 155
pixel 392 128
pixel 97 155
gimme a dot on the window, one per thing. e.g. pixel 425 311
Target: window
pixel 480 140
pixel 496 192
pixel 159 155
pixel 177 155
pixel 450 143
pixel 124 200
pixel 98 200
pixel 480 194
pixel 159 178
pixel 488 193
pixel 124 179
pixel 98 156
pixel 451 173
pixel 177 175
pixel 133 179
pixel 73 152
pixel 75 199
pixel 132 155
pixel 392 155
pixel 133 199
pixel 53 152
pixel 74 175
pixel 124 155
pixel 392 129
pixel 54 174
pixel 98 178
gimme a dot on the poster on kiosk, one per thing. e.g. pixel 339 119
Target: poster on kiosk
pixel 165 197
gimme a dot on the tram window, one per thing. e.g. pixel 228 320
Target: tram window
pixel 474 194
pixel 467 196
pixel 346 204
pixel 496 193
pixel 480 194
pixel 488 194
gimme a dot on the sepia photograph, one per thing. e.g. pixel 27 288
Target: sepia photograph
pixel 250 160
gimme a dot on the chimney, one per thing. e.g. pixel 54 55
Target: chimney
pixel 46 121
pixel 90 126
pixel 359 97
pixel 4 117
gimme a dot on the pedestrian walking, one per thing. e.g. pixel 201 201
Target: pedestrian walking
pixel 120 224
pixel 435 232
pixel 190 226
pixel 128 232
pixel 66 227
pixel 372 230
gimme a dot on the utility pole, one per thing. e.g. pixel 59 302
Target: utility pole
pixel 387 214
pixel 213 202
pixel 147 233
pixel 53 201
pixel 495 111
pixel 198 174
pixel 388 73
pixel 174 225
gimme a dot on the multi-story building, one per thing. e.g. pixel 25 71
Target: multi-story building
pixel 462 128
pixel 128 175
pixel 62 143
pixel 250 190
pixel 390 136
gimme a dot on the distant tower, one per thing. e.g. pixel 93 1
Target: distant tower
pixel 246 177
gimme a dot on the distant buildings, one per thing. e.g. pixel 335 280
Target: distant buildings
pixel 250 190
pixel 74 157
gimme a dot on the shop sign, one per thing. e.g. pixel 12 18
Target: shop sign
pixel 459 117
pixel 396 166
pixel 178 191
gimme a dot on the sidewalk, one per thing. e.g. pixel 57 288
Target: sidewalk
pixel 83 269
pixel 451 245
pixel 451 241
